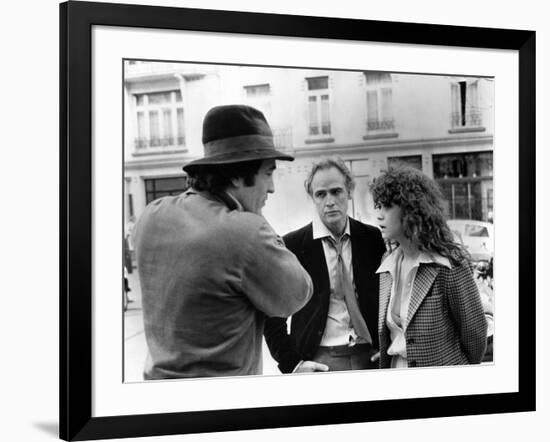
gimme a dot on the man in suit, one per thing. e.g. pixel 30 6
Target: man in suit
pixel 337 329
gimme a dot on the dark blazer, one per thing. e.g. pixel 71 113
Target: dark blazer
pixel 308 324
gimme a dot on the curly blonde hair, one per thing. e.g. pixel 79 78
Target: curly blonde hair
pixel 420 201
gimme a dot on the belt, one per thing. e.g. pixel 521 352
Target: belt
pixel 345 350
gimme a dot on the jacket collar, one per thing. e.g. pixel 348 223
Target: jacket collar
pixel 224 197
pixel 390 263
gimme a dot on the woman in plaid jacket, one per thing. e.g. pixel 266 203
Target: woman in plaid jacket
pixel 430 308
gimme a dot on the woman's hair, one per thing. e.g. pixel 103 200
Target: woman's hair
pixel 216 179
pixel 420 201
pixel 327 163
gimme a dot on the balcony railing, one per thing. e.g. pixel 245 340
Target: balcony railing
pixel 156 142
pixel 282 138
pixel 471 118
pixel 319 129
pixel 380 125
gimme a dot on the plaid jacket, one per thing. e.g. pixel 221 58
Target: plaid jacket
pixel 446 324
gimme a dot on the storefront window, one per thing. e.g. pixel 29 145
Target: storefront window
pixel 159 187
pixel 466 183
pixel 477 164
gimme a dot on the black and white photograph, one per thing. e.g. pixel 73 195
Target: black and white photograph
pixel 290 220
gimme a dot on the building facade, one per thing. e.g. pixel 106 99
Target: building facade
pixel 442 125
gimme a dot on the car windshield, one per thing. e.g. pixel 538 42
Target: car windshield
pixel 479 231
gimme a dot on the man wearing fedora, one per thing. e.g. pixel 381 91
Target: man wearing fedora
pixel 338 328
pixel 211 268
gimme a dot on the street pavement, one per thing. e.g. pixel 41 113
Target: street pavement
pixel 135 347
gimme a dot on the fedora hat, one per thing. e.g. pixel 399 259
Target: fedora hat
pixel 233 134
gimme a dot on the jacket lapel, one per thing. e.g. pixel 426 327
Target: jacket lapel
pixel 425 277
pixel 385 291
pixel 314 261
pixel 356 253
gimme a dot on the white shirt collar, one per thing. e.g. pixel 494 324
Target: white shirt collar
pixel 322 231
pixel 390 263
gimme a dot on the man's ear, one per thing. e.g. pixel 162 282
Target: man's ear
pixel 237 182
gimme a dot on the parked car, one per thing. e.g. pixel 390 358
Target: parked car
pixel 476 236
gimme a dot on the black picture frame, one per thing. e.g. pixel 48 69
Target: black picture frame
pixel 76 239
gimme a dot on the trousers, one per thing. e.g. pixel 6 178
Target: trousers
pixel 344 357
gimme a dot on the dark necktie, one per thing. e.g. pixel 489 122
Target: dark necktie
pixel 344 287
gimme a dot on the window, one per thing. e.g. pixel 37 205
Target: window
pixel 465 110
pixel 259 97
pixel 465 180
pixel 318 102
pixel 379 97
pixel 159 120
pixel 159 187
pixel 257 90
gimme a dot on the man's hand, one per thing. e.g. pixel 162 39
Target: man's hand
pixel 375 357
pixel 309 367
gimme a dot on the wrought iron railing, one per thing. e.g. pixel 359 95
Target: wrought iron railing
pixel 319 129
pixel 380 124
pixel 471 118
pixel 282 138
pixel 145 143
pixel 141 143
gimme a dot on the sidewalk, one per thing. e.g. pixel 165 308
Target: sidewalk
pixel 135 347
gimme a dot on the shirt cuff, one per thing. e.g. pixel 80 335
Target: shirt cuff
pixel 298 365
